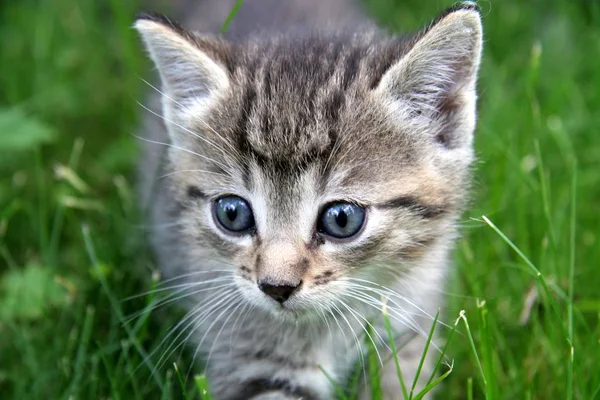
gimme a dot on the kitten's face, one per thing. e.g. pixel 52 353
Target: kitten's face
pixel 311 165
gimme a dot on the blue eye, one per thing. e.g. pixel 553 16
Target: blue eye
pixel 234 214
pixel 341 220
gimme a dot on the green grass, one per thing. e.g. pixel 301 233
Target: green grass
pixel 72 244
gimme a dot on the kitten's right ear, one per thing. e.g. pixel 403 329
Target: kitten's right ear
pixel 188 71
pixel 436 79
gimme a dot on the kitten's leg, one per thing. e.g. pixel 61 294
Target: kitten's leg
pixel 260 381
pixel 283 364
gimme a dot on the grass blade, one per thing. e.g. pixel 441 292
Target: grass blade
pixel 374 365
pixel 425 350
pixel 341 395
pixel 536 272
pixel 545 194
pixel 80 359
pixel 434 383
pixel 231 15
pixel 462 316
pixel 115 303
pixel 203 387
pixel 487 354
pixel 444 350
pixel 167 390
pixel 572 248
pixel 181 382
pixel 470 389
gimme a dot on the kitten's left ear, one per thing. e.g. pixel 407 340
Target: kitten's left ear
pixel 436 79
pixel 189 66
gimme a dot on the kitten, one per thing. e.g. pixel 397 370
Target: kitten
pixel 306 171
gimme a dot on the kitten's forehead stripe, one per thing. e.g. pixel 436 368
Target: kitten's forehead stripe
pixel 294 90
pixel 241 125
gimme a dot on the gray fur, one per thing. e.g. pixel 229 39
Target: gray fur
pixel 291 120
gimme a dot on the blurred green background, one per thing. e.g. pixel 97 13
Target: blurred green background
pixel 72 243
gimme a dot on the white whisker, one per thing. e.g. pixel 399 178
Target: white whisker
pixel 356 315
pixel 186 130
pixel 182 149
pixel 400 317
pixel 356 341
pixel 194 273
pixel 217 318
pixel 168 300
pixel 195 322
pixel 183 107
pixel 178 286
pixel 189 170
pixel 223 326
pixel 388 291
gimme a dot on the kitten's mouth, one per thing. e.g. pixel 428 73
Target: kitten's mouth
pixel 286 312
pixel 294 307
pixel 286 307
pixel 295 310
pixel 290 309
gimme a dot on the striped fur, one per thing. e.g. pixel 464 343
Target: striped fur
pixel 291 119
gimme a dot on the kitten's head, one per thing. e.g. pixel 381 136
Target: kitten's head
pixel 310 162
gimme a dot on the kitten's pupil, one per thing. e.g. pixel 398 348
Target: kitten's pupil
pixel 341 219
pixel 231 212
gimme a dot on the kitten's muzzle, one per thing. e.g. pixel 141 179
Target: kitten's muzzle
pixel 280 292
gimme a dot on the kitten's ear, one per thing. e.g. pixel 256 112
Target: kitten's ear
pixel 188 65
pixel 436 79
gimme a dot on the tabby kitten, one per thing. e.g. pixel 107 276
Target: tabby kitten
pixel 305 171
